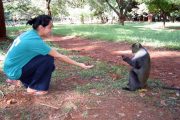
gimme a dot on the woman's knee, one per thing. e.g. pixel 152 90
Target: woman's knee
pixel 50 62
pixel 49 58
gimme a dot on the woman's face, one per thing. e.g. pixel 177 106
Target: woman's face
pixel 46 31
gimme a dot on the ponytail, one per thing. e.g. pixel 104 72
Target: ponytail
pixel 31 21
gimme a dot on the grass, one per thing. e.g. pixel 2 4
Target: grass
pixel 131 32
pixel 13 32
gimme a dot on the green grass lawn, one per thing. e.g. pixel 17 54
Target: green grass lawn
pixel 131 32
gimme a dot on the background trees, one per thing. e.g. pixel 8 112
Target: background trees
pixel 165 9
pixel 99 10
pixel 121 8
pixel 162 7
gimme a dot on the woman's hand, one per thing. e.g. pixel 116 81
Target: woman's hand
pixel 85 66
pixel 66 59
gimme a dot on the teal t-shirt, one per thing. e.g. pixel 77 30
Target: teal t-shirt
pixel 24 48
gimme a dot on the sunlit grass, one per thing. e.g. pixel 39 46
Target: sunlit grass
pixel 129 33
pixel 14 31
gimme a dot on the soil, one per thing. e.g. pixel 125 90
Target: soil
pixel 64 104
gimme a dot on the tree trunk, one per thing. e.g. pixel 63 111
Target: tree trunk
pixel 164 19
pixel 121 20
pixel 121 17
pixel 2 21
pixel 48 6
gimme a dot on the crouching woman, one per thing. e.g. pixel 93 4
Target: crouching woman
pixel 31 60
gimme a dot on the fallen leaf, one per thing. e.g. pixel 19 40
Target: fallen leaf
pixel 177 94
pixel 163 102
pixel 142 94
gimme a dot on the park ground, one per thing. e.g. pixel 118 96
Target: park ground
pixel 74 96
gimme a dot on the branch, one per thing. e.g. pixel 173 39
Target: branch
pixel 112 7
pixel 126 8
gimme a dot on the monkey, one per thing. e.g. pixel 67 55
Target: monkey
pixel 141 65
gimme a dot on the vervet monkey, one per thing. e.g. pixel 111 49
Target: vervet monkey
pixel 140 70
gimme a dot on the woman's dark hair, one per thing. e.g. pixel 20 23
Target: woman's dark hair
pixel 39 20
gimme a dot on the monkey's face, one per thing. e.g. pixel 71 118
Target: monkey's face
pixel 135 47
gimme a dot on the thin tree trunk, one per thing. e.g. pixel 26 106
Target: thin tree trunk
pixel 48 6
pixel 121 17
pixel 2 21
pixel 121 20
pixel 164 20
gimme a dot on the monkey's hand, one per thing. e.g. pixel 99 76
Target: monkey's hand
pixel 125 58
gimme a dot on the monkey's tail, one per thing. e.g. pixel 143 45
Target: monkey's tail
pixel 171 88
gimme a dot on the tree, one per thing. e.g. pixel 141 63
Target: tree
pixel 48 6
pixel 21 9
pixel 77 3
pixel 58 8
pixel 121 8
pixel 163 7
pixel 99 8
pixel 2 21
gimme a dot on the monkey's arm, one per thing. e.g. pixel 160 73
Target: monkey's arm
pixel 133 63
pixel 128 60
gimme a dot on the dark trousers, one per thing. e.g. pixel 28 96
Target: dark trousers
pixel 36 74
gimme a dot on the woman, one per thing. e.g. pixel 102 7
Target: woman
pixel 31 60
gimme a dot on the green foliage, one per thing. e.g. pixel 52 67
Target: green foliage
pixel 77 3
pixel 23 9
pixel 59 8
pixel 98 7
pixel 121 7
pixel 161 6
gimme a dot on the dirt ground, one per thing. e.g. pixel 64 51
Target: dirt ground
pixel 64 104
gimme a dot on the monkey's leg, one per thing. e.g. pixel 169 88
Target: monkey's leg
pixel 133 82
